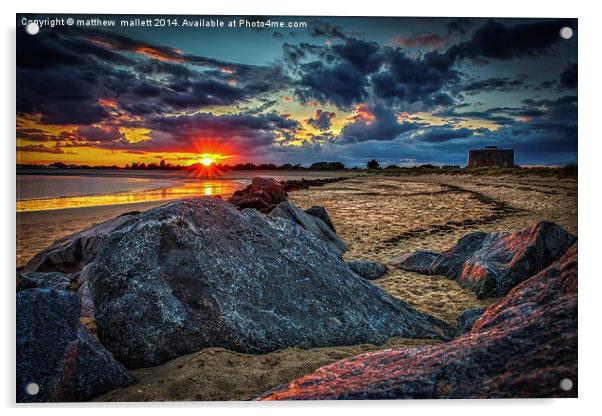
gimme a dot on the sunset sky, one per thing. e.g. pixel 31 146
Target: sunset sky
pixel 401 90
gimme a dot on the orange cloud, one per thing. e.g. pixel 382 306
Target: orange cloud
pixel 362 113
pixel 157 54
pixel 108 103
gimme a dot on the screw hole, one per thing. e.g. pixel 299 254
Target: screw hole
pixel 32 389
pixel 32 28
pixel 566 32
pixel 566 384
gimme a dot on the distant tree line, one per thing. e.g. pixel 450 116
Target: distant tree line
pixel 163 165
pixel 373 164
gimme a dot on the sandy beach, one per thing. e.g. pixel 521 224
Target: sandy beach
pixel 378 217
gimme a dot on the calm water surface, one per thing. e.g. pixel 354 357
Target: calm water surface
pixel 40 191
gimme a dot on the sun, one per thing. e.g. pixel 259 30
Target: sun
pixel 206 161
pixel 208 164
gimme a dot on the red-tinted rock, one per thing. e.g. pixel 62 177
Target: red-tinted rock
pixel 523 346
pixel 263 194
pixel 491 264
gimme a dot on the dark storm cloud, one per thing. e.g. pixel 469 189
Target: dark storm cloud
pixel 444 134
pixel 341 76
pixel 179 133
pixel 327 30
pixel 382 125
pixel 126 44
pixel 203 93
pixel 460 26
pixel 35 135
pixel 99 134
pixel 430 40
pixel 73 72
pixel 494 40
pixel 350 72
pixel 568 77
pixel 44 52
pixel 410 80
pixel 364 56
pixel 545 85
pixel 95 77
pixel 321 120
pixel 502 84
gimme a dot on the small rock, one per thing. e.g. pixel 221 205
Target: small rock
pixel 263 194
pixel 370 270
pixel 320 212
pixel 56 352
pixel 418 261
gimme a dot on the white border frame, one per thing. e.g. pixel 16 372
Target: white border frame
pixel 590 152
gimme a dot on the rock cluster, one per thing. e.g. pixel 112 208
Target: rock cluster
pixel 297 184
pixel 490 264
pixel 522 346
pixel 208 273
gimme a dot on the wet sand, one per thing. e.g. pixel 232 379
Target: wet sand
pixel 378 217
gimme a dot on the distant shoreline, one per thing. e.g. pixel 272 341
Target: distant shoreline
pixel 564 171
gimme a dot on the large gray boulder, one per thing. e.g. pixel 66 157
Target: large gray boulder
pixel 521 347
pixel 200 273
pixel 57 353
pixel 491 264
pixel 309 222
pixel 71 253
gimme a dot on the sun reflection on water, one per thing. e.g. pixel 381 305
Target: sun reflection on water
pixel 187 189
